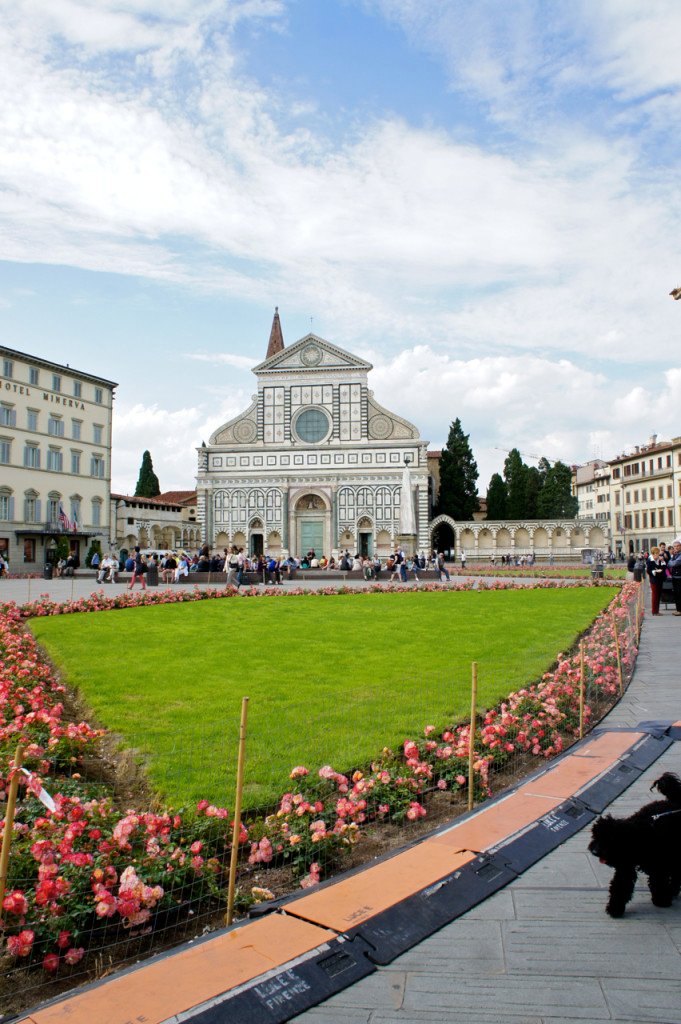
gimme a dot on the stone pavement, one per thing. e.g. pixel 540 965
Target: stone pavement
pixel 543 951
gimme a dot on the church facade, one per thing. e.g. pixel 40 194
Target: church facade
pixel 314 463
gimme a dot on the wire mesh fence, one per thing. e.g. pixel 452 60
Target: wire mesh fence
pixel 138 853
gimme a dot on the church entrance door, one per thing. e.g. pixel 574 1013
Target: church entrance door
pixel 366 544
pixel 256 545
pixel 311 537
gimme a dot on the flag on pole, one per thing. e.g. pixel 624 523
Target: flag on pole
pixel 64 520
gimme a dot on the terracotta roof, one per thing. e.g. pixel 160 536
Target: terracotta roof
pixel 434 454
pixel 276 337
pixel 179 497
pixel 159 500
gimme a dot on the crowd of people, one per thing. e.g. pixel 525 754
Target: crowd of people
pixel 661 563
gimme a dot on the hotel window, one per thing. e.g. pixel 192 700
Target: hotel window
pixel 75 429
pixel 661 514
pixel 77 389
pixel 97 466
pixel 5 450
pixel 33 375
pixel 660 492
pixel 96 512
pixel 669 461
pixel 55 460
pixel 75 511
pixel 32 456
pixel 653 522
pixel 644 493
pixel 75 462
pixel 32 419
pixel 669 490
pixel 56 382
pixel 617 497
pixel 53 511
pixel 97 433
pixel 8 416
pixel 637 520
pixel 627 498
pixel 8 368
pixel 635 497
pixel 99 396
pixel 31 509
pixel 55 426
pixel 29 549
pixel 6 505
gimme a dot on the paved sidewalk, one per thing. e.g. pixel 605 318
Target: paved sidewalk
pixel 543 951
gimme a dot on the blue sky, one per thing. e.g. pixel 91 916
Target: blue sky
pixel 480 198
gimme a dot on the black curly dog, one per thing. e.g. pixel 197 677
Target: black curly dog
pixel 648 841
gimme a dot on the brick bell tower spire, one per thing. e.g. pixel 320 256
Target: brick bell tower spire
pixel 276 337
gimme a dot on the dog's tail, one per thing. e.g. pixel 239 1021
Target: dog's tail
pixel 669 785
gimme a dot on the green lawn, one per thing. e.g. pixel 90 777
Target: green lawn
pixel 331 680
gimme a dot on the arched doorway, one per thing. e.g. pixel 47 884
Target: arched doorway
pixel 257 538
pixel 311 525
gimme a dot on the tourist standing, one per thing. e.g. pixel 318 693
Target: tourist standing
pixel 675 569
pixel 656 569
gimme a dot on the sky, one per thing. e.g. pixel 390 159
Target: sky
pixel 480 198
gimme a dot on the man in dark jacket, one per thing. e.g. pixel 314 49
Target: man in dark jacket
pixel 674 566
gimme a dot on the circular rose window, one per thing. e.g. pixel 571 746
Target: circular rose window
pixel 312 426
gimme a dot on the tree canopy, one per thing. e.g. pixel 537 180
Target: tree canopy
pixel 458 496
pixel 531 492
pixel 147 482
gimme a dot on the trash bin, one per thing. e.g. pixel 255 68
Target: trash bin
pixel 48 571
pixel 597 572
pixel 638 574
pixel 152 575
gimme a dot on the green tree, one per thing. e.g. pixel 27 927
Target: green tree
pixel 458 496
pixel 556 498
pixel 533 486
pixel 497 498
pixel 515 475
pixel 147 483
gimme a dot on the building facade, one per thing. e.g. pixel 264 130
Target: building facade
pixel 314 463
pixel 638 495
pixel 164 523
pixel 55 459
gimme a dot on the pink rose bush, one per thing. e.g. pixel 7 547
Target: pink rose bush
pixel 89 867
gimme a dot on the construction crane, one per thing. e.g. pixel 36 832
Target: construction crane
pixel 525 455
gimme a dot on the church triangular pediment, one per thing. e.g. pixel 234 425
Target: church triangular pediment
pixel 312 353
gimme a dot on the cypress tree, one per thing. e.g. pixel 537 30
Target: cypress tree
pixel 556 498
pixel 147 483
pixel 515 475
pixel 497 498
pixel 458 496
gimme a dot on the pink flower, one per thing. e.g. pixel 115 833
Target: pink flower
pixel 21 944
pixel 15 903
pixel 51 962
pixel 74 956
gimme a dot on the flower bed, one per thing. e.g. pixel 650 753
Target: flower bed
pixel 90 867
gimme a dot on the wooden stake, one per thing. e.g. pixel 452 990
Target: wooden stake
pixel 581 689
pixel 237 812
pixel 619 655
pixel 9 822
pixel 471 738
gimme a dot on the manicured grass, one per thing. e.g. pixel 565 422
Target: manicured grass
pixel 331 680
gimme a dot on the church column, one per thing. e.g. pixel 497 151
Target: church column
pixel 284 518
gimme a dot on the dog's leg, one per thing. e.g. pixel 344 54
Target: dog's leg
pixel 661 891
pixel 621 890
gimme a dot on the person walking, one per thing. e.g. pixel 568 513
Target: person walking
pixel 442 568
pixel 138 571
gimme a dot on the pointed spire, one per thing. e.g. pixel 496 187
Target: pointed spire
pixel 276 337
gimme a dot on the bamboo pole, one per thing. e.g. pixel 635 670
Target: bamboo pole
pixel 237 812
pixel 471 738
pixel 581 689
pixel 619 654
pixel 9 822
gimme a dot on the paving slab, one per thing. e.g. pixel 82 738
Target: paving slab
pixel 543 951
